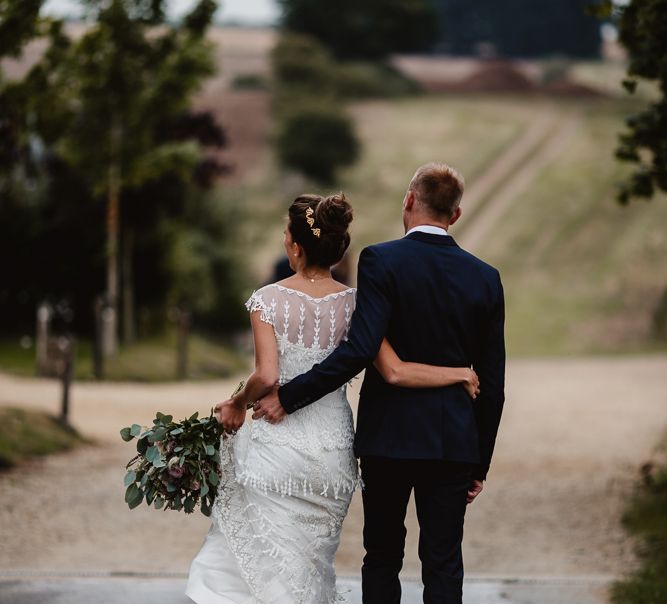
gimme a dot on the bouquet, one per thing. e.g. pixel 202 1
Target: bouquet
pixel 177 464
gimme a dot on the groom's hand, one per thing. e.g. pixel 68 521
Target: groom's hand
pixel 269 408
pixel 475 489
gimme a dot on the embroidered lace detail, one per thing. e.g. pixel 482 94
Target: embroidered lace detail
pixel 333 296
pixel 256 303
pixel 301 562
pixel 286 487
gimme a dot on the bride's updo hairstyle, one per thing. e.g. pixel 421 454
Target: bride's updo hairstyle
pixel 320 226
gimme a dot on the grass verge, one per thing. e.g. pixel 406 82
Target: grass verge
pixel 25 434
pixel 147 360
pixel 647 519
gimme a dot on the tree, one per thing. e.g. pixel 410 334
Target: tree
pixel 314 136
pixel 363 29
pixel 98 102
pixel 19 22
pixel 642 27
pixel 317 140
pixel 516 28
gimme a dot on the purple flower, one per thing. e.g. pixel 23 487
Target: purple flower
pixel 176 471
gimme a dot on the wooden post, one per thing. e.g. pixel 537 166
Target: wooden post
pixel 182 335
pixel 44 315
pixel 66 347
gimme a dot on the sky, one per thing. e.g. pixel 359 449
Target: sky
pixel 243 11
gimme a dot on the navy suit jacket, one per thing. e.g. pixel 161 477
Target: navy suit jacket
pixel 436 304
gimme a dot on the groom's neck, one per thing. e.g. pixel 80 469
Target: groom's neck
pixel 423 220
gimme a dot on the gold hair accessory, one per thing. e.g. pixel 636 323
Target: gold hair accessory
pixel 311 222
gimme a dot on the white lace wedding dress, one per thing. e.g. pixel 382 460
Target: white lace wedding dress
pixel 286 487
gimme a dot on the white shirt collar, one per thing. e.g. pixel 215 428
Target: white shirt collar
pixel 428 228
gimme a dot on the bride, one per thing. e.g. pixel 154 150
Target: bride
pixel 286 487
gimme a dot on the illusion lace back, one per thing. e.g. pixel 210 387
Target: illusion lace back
pixel 286 487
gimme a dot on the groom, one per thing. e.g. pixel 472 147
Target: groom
pixel 439 305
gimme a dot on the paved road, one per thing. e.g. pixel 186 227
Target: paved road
pixel 169 591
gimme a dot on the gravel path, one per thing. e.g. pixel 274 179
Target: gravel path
pixel 573 435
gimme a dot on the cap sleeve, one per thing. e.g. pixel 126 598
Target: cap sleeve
pixel 257 303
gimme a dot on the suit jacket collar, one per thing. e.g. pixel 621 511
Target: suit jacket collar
pixel 431 238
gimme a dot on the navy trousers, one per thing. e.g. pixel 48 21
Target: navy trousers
pixel 440 489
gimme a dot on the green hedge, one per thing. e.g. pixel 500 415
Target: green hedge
pixel 25 434
pixel 647 519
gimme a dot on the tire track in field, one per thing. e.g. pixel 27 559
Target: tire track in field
pixel 494 193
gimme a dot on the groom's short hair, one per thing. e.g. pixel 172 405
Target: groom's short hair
pixel 439 187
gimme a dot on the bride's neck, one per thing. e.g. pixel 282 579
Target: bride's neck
pixel 314 273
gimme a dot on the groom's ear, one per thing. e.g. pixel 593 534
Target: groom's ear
pixel 409 200
pixel 456 215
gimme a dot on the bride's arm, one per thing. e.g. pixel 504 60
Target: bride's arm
pixel 231 413
pixel 417 375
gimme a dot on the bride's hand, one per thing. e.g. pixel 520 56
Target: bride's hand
pixel 230 415
pixel 471 383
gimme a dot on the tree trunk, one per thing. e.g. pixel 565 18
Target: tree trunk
pixel 129 330
pixel 110 325
pixel 182 336
pixel 44 315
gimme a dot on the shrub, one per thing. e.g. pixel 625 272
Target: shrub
pixel 302 62
pixel 373 80
pixel 660 318
pixel 317 140
pixel 25 433
pixel 250 81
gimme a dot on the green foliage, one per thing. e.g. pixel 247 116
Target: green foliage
pixel 660 318
pixel 150 359
pixel 359 80
pixel 114 87
pixel 113 101
pixel 642 26
pixel 177 463
pixel 363 29
pixel 314 136
pixel 19 22
pixel 647 518
pixel 317 140
pixel 516 28
pixel 302 66
pixel 203 263
pixel 25 434
pixel 250 81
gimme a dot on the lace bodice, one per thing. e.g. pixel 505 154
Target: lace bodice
pixel 307 329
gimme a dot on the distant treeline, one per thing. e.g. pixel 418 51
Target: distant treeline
pixel 373 29
pixel 517 28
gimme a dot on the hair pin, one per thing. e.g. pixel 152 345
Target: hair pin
pixel 311 222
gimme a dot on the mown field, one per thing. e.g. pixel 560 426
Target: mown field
pixel 582 274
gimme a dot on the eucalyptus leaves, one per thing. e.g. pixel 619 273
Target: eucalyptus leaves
pixel 177 465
